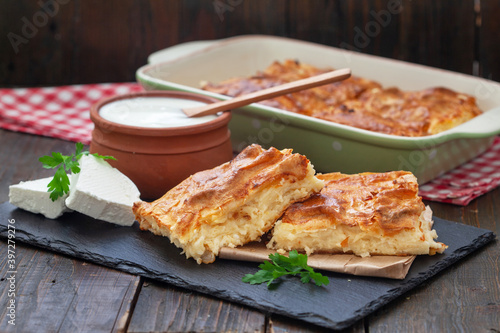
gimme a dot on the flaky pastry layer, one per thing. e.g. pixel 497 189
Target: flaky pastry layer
pixel 232 204
pixel 363 214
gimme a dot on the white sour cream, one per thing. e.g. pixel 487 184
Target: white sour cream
pixel 154 112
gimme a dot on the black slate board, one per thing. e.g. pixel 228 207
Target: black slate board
pixel 344 301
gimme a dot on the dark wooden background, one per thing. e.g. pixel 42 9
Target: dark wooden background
pixel 56 42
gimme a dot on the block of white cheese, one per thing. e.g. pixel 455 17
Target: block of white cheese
pixel 102 192
pixel 32 196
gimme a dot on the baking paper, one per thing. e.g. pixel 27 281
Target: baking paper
pixel 393 267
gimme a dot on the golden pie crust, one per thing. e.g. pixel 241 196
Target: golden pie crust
pixel 232 204
pixel 359 102
pixel 364 214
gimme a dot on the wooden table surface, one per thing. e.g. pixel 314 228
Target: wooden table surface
pixel 56 293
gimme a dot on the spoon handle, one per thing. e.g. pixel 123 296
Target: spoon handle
pixel 257 96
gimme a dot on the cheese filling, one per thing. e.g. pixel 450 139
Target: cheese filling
pixel 342 238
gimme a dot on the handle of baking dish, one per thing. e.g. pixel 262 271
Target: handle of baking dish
pixel 484 125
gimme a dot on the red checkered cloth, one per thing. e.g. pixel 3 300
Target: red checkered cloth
pixel 63 112
pixel 58 112
pixel 465 183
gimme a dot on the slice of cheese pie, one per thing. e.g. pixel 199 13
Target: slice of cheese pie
pixel 232 204
pixel 363 214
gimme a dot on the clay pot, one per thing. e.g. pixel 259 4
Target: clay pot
pixel 157 159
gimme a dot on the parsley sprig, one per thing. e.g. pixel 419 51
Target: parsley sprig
pixel 295 264
pixel 59 185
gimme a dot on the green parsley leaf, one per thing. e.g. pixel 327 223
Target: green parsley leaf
pixel 59 185
pixel 79 149
pixel 53 161
pixel 259 277
pixel 104 157
pixel 72 165
pixel 295 264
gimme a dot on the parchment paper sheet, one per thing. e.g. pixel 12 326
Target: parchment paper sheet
pixel 394 267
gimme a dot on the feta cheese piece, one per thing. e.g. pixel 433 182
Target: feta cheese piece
pixel 102 192
pixel 32 196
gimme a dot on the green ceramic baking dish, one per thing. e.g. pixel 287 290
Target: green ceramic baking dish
pixel 330 146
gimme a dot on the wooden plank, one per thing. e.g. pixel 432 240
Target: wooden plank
pixel 55 293
pixel 26 43
pixel 367 26
pixel 489 48
pixel 214 19
pixel 277 324
pixel 162 308
pixel 105 35
pixel 411 31
pixel 438 34
pixel 159 28
pixel 128 305
pixel 304 22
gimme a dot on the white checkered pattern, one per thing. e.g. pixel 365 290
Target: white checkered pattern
pixel 465 183
pixel 60 112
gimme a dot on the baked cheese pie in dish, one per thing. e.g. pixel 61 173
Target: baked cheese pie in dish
pixel 232 204
pixel 357 101
pixel 363 214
